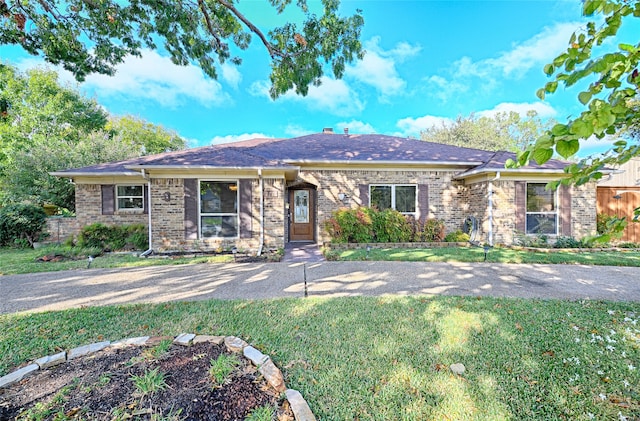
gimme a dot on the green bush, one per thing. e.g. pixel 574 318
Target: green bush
pixel 391 226
pixel 21 224
pixel 457 236
pixel 109 238
pixel 351 226
pixel 567 243
pixel 433 230
pixel 369 225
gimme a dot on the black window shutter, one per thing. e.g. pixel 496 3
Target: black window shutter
pixel 364 194
pixel 245 207
pixel 191 209
pixel 108 199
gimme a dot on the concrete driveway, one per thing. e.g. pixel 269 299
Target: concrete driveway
pixel 97 287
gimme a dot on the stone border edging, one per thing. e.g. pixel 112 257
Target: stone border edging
pixel 266 367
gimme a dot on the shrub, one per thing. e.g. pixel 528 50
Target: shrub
pixel 351 226
pixel 21 222
pixel 457 236
pixel 110 238
pixel 567 243
pixel 541 241
pixel 433 230
pixel 629 245
pixel 391 226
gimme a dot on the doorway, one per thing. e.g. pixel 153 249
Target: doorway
pixel 302 212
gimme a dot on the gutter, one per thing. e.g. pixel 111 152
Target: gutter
pixel 490 210
pixel 149 251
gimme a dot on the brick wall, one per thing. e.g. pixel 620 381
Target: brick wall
pixel 446 196
pixel 60 228
pixel 583 210
pixel 89 209
pixel 167 218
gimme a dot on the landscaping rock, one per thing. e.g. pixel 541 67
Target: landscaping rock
pixel 235 344
pixel 256 357
pixel 17 375
pixel 208 338
pixel 87 349
pixel 299 406
pixel 184 339
pixel 457 369
pixel 272 375
pixel 51 360
pixel 139 341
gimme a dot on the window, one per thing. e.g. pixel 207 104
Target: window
pixel 542 211
pixel 129 197
pixel 398 197
pixel 218 209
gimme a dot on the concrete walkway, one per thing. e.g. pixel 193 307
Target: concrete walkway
pixel 302 252
pixel 97 287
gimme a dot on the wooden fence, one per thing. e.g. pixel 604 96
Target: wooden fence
pixel 621 201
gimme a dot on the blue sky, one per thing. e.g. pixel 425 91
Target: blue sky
pixel 426 62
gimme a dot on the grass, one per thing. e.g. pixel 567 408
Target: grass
pixel 19 261
pixel 388 358
pixel 494 255
pixel 221 367
pixel 150 382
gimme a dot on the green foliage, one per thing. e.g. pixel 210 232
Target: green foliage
pixel 526 240
pixel 115 237
pixel 458 236
pixel 502 132
pixel 351 225
pixel 391 226
pixel 144 137
pixel 608 227
pixel 150 382
pixel 433 231
pixel 564 242
pixel 221 367
pixel 21 222
pixel 610 99
pixel 93 37
pixel 263 413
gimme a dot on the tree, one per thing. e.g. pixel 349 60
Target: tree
pixel 502 132
pixel 146 137
pixel 611 97
pixel 46 127
pixel 89 36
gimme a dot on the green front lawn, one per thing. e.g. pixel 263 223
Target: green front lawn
pixel 495 255
pixel 388 358
pixel 18 261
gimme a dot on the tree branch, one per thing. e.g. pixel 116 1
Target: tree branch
pixel 210 27
pixel 272 51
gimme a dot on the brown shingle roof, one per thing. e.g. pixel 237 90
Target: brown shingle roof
pixel 319 147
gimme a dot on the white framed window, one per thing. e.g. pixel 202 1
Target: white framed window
pixel 218 209
pixel 401 197
pixel 542 210
pixel 130 197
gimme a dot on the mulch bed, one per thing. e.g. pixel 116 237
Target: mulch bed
pixel 100 387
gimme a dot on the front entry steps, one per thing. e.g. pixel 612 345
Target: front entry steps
pixel 302 252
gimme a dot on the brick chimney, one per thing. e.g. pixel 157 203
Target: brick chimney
pixel 328 130
pixel 346 131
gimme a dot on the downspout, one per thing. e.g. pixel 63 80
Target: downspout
pixel 261 245
pixel 490 211
pixel 149 251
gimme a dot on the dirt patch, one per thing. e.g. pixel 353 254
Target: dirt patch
pixel 103 386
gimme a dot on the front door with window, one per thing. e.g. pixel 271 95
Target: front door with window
pixel 301 215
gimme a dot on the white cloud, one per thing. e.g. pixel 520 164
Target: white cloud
pixel 237 138
pixel 333 96
pixel 413 126
pixel 522 108
pixel 231 74
pixel 355 127
pixel 294 130
pixel 154 77
pixel 378 67
pixel 488 73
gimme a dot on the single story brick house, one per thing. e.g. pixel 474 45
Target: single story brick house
pixel 268 192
